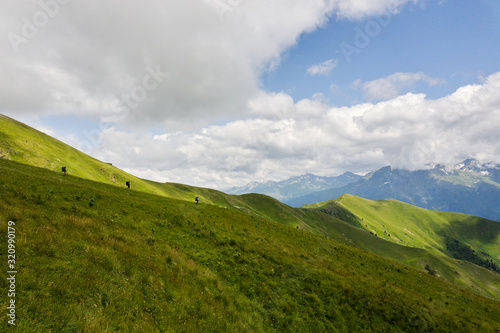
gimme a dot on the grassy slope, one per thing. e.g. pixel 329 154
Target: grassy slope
pixel 24 144
pixel 420 228
pixel 94 257
pixel 464 274
pixel 423 228
pixel 21 143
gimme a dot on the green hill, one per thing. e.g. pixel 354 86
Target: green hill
pixel 207 240
pixel 422 228
pixel 343 228
pixel 93 257
pixel 444 237
pixel 21 143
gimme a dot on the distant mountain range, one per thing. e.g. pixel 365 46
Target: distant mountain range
pixel 296 186
pixel 470 187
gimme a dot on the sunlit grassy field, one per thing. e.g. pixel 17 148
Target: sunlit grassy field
pixel 94 257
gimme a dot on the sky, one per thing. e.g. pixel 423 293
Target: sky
pixel 219 93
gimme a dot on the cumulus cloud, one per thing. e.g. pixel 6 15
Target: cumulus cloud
pixel 323 68
pixel 94 58
pixel 408 132
pixel 393 85
pixel 182 66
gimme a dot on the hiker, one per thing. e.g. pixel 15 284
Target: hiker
pixel 64 170
pixel 197 200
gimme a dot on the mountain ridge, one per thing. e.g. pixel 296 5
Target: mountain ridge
pixel 466 188
pixel 296 185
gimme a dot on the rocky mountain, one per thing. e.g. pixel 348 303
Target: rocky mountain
pixel 296 186
pixel 471 187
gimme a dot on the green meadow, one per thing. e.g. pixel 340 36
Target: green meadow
pixel 94 256
pixel 425 239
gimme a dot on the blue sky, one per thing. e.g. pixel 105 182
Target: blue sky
pixel 456 41
pixel 220 93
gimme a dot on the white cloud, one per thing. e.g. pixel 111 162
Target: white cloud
pixel 85 58
pixel 88 55
pixel 359 9
pixel 81 57
pixel 393 85
pixel 324 68
pixel 408 131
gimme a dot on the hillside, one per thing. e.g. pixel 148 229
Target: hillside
pixel 336 226
pixel 417 227
pixel 469 188
pixel 136 262
pixel 21 143
pixel 442 236
pixel 477 279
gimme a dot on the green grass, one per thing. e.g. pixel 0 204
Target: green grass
pixel 422 228
pixel 26 145
pixel 94 257
pixel 149 259
pixel 422 235
pixel 21 143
